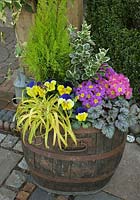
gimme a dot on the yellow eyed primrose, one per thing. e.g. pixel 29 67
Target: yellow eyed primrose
pixel 50 84
pixel 66 102
pixel 81 114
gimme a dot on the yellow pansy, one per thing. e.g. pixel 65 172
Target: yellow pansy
pixel 82 116
pixel 64 90
pixel 50 85
pixel 32 92
pixel 41 92
pixel 66 102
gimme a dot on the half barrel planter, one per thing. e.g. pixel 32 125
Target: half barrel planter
pixel 83 169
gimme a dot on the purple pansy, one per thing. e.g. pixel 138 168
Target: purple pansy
pixel 31 84
pixel 80 110
pixel 65 96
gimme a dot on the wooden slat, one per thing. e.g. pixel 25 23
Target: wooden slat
pixel 75 13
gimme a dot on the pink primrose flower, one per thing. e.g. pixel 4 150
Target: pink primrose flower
pixel 128 93
pixel 109 72
pixel 111 93
pixel 120 89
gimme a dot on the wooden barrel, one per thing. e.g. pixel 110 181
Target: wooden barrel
pixel 83 169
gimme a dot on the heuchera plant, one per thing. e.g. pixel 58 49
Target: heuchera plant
pixel 106 101
pixel 99 100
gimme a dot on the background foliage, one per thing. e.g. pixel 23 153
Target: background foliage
pixel 116 25
pixel 15 6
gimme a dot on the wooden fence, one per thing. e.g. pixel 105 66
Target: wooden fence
pixel 75 17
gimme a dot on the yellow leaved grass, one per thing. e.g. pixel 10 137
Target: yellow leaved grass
pixel 43 116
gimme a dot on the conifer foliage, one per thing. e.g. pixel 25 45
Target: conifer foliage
pixel 48 48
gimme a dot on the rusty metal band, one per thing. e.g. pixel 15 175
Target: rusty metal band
pixel 71 180
pixel 80 158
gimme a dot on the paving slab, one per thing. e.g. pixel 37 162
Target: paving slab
pixel 18 147
pixel 7 48
pixel 126 181
pixel 97 196
pixel 8 117
pixel 5 95
pixel 3 103
pixel 3 53
pixel 16 179
pixel 8 160
pixel 23 164
pixel 2 78
pixel 22 195
pixel 9 141
pixel 43 195
pixel 39 194
pixel 6 194
pixel 2 136
pixel 2 112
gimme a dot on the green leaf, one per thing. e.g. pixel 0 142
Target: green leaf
pixel 98 123
pixel 113 113
pixel 86 124
pixel 132 120
pixel 9 1
pixel 69 74
pixel 122 117
pixel 95 112
pixel 1 6
pixel 122 125
pixel 124 111
pixel 17 4
pixel 108 130
pixel 122 103
pixel 18 50
pixel 28 8
pixel 76 125
pixel 107 104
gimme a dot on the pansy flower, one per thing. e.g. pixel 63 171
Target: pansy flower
pixel 41 91
pixel 32 92
pixel 32 89
pixel 66 102
pixel 64 89
pixel 31 84
pixel 50 84
pixel 81 114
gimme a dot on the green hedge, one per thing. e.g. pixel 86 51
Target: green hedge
pixel 116 25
